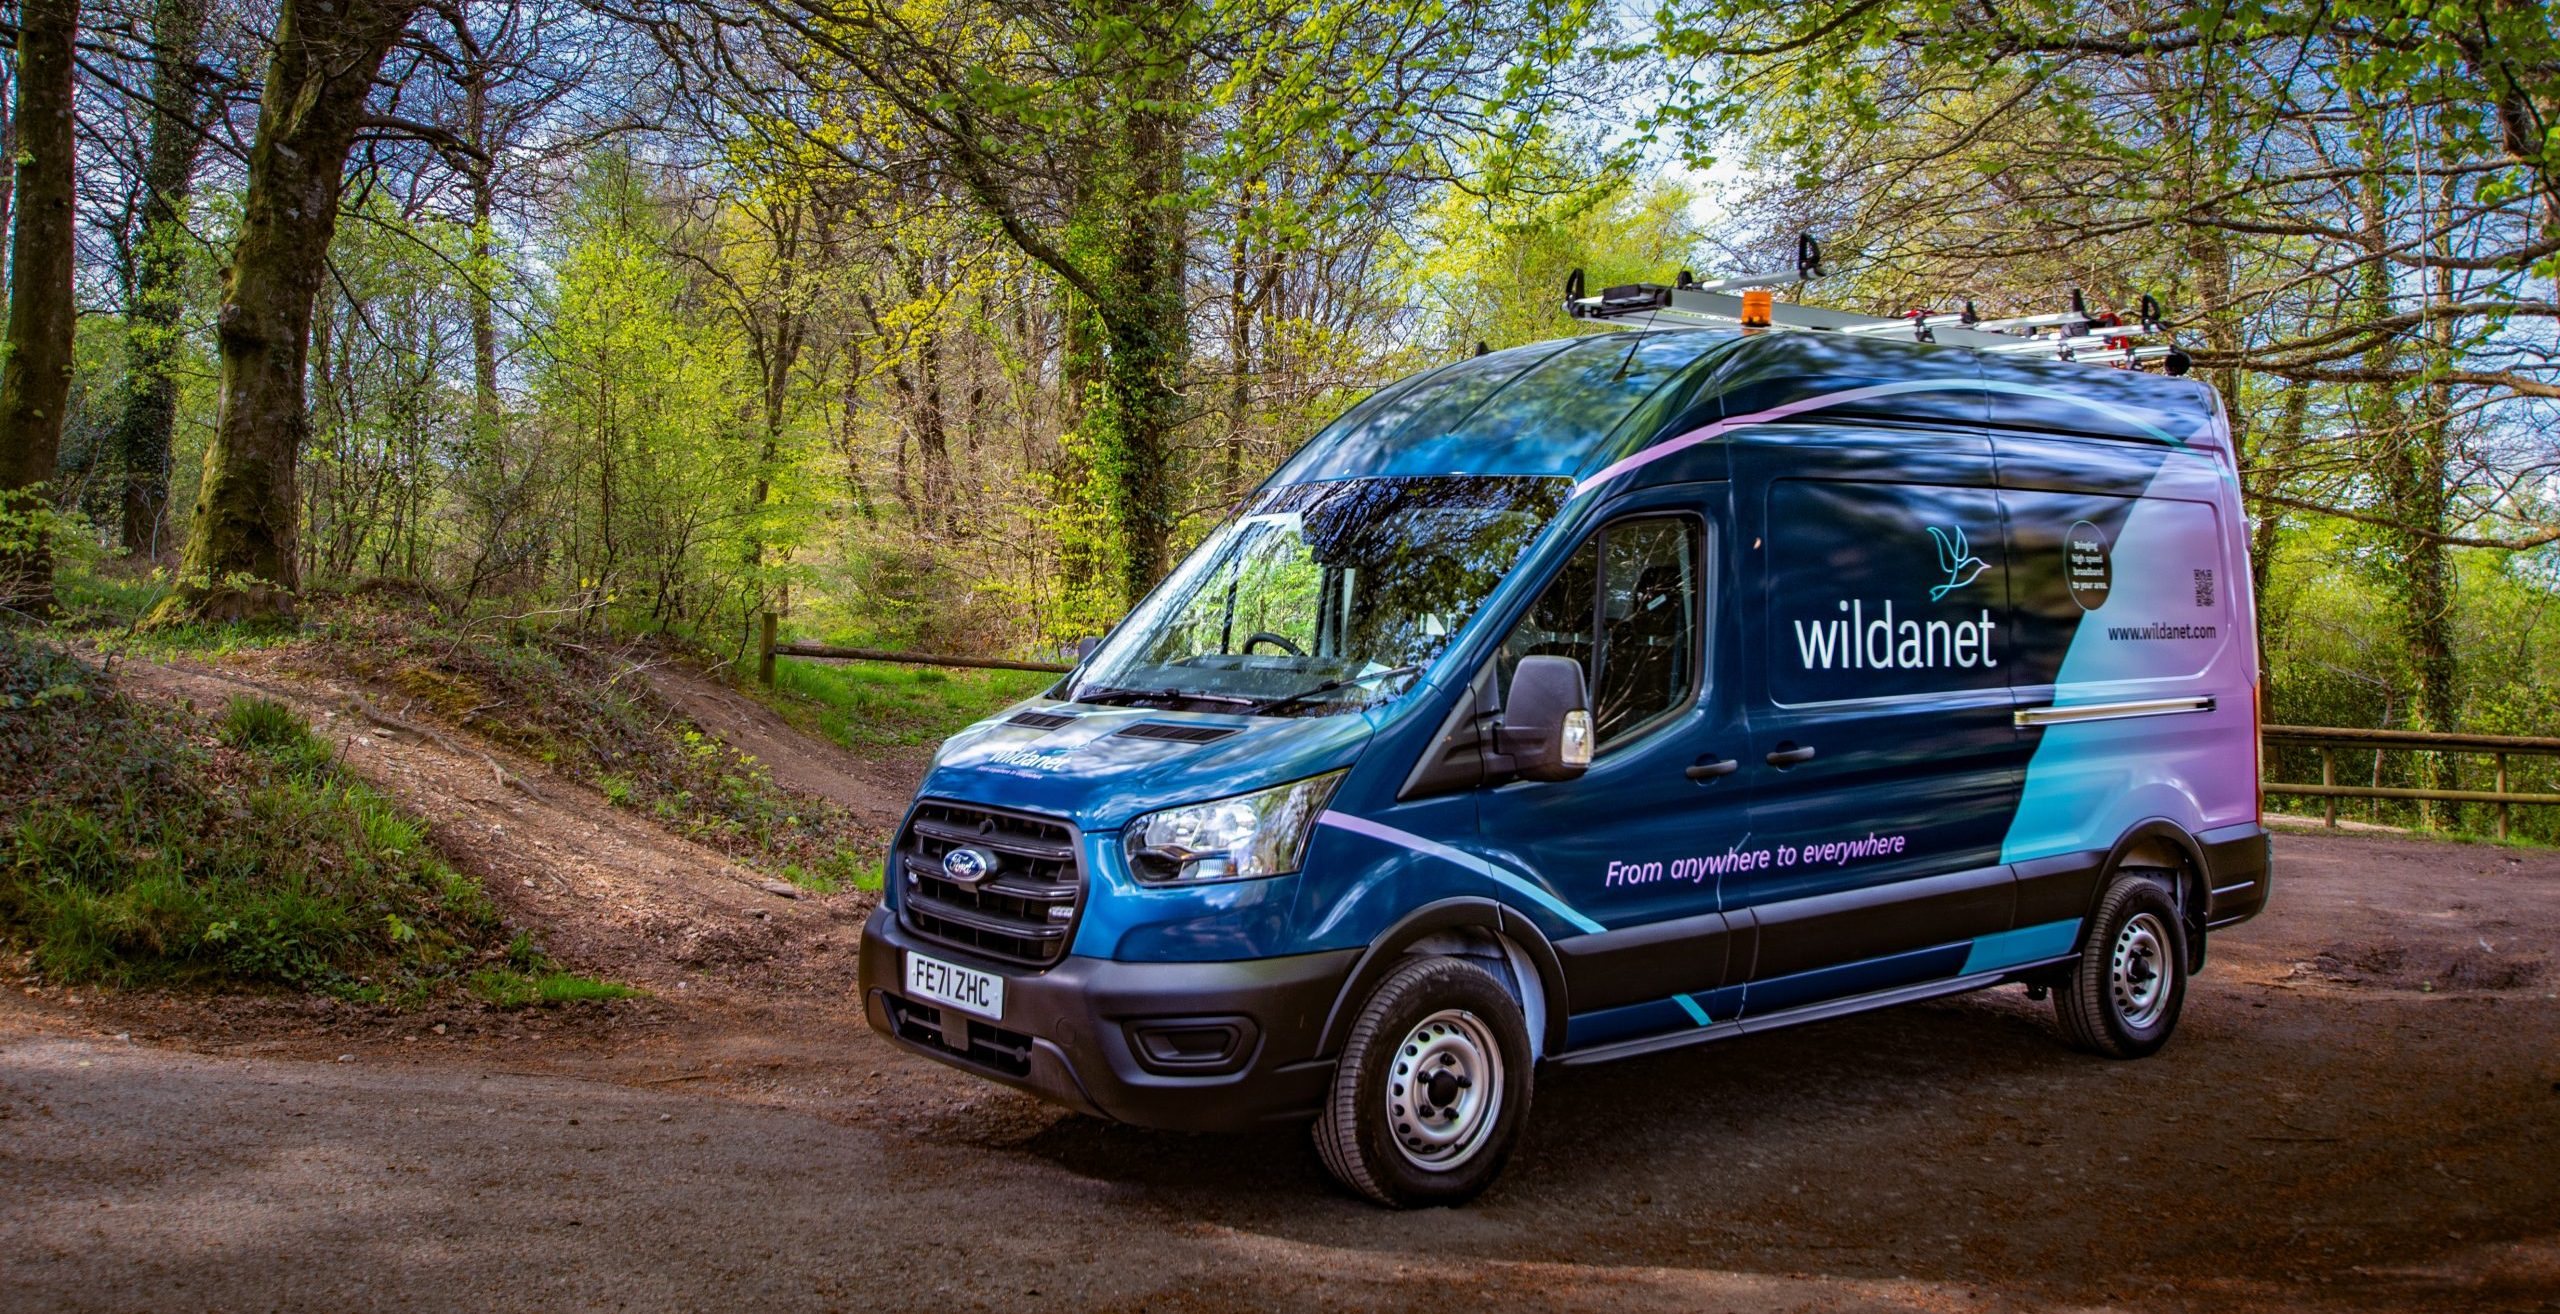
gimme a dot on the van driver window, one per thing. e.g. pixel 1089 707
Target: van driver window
pixel 1626 607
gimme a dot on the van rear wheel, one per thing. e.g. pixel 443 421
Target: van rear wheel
pixel 2121 1000
pixel 1432 1087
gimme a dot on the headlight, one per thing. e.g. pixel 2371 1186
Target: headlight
pixel 1250 835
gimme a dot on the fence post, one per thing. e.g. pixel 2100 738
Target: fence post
pixel 764 651
pixel 2502 788
pixel 2329 779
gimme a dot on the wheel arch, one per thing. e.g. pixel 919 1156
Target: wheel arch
pixel 1471 928
pixel 2158 842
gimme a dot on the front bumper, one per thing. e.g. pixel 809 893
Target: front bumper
pixel 1185 1046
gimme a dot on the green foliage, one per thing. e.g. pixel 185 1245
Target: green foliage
pixel 131 851
pixel 1490 267
pixel 2334 657
pixel 863 705
pixel 639 391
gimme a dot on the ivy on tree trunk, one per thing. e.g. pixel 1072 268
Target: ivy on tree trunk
pixel 149 414
pixel 35 379
pixel 240 561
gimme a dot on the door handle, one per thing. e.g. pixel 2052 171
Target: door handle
pixel 1789 756
pixel 1711 770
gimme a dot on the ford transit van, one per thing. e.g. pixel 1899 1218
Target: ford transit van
pixel 1601 696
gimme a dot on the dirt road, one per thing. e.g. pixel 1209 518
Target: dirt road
pixel 2362 1112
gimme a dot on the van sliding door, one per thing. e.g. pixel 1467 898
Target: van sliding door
pixel 1885 759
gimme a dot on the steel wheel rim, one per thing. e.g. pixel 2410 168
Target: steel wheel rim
pixel 2138 971
pixel 1444 1090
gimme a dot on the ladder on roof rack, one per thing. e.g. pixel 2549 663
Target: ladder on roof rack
pixel 1745 300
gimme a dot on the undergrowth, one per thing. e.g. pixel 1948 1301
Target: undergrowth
pixel 581 704
pixel 866 704
pixel 574 699
pixel 137 849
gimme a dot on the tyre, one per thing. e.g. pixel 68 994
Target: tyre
pixel 1432 1088
pixel 2121 999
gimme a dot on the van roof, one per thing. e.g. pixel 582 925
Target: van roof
pixel 1576 407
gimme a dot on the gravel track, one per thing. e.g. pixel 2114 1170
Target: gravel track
pixel 2316 1138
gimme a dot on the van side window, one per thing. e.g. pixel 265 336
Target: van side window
pixel 1625 606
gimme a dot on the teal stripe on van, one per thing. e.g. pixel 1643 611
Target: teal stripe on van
pixel 2027 944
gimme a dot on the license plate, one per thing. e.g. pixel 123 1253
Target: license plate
pixel 963 988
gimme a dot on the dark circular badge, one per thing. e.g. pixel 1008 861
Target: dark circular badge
pixel 2088 565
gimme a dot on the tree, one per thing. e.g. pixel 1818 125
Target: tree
pixel 149 413
pixel 240 560
pixel 1099 138
pixel 2349 207
pixel 35 378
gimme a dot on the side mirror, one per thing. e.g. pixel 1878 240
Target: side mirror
pixel 1546 720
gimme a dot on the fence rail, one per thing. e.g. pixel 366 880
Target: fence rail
pixel 2327 740
pixel 769 649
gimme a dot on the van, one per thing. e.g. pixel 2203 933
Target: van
pixel 1599 697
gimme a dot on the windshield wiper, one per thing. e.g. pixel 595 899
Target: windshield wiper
pixel 1318 691
pixel 1108 694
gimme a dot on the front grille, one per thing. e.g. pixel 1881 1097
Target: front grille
pixel 1023 911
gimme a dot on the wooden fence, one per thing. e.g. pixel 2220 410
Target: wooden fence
pixel 2329 741
pixel 768 649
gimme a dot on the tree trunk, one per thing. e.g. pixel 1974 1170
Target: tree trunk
pixel 2258 474
pixel 149 415
pixel 2407 453
pixel 2429 619
pixel 1149 348
pixel 35 378
pixel 480 179
pixel 240 550
pixel 779 355
pixel 1239 358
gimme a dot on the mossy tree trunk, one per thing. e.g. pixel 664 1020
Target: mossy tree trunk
pixel 1146 334
pixel 149 414
pixel 35 377
pixel 240 560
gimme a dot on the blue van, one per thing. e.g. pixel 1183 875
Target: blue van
pixel 1595 697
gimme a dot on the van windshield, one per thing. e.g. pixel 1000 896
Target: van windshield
pixel 1322 597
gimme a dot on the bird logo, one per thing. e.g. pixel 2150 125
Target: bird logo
pixel 1955 558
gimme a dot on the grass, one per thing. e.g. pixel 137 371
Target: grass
pixel 138 847
pixel 510 988
pixel 107 599
pixel 848 867
pixel 870 705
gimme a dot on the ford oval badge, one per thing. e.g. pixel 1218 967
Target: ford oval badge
pixel 968 866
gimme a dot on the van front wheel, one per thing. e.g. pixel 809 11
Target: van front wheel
pixel 2121 1000
pixel 1432 1088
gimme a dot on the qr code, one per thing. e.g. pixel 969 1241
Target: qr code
pixel 2204 588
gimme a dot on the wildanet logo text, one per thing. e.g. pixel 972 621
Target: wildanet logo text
pixel 1853 642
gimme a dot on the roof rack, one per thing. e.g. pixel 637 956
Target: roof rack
pixel 1745 300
